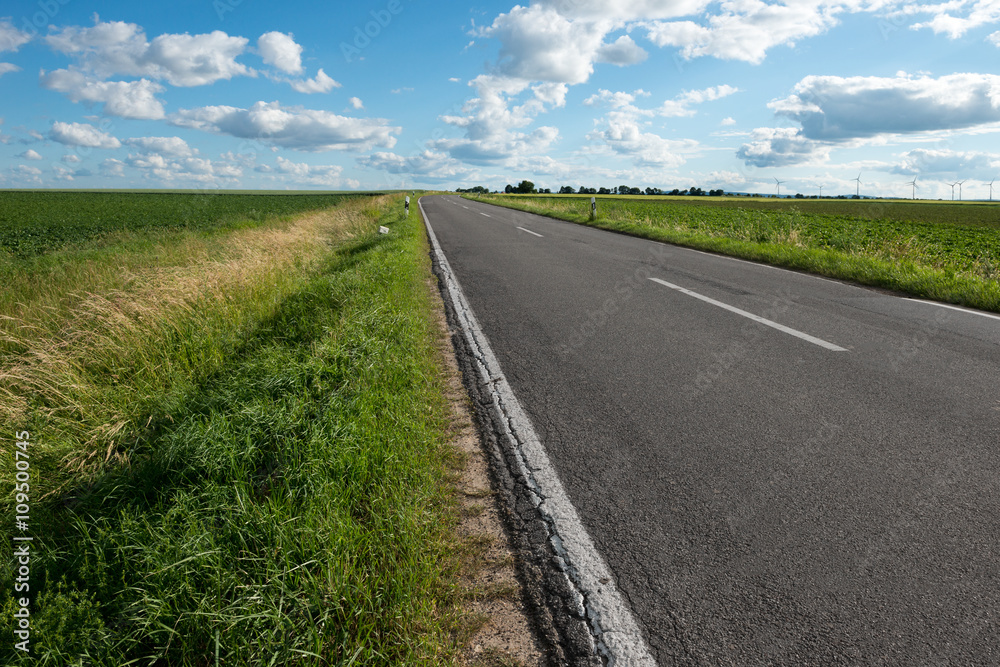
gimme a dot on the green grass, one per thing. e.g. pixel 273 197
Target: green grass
pixel 33 223
pixel 928 249
pixel 969 213
pixel 281 501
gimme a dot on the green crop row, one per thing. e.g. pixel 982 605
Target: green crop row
pixel 969 213
pixel 33 223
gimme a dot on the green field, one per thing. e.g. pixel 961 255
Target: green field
pixel 966 212
pixel 33 223
pixel 238 440
pixel 939 250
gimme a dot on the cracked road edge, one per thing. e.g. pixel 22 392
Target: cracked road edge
pixel 579 613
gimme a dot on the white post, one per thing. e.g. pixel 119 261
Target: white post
pixel 407 206
pixel 593 208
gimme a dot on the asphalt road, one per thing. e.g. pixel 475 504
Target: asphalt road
pixel 824 493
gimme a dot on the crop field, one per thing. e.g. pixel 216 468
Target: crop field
pixel 939 250
pixel 33 223
pixel 972 213
pixel 235 442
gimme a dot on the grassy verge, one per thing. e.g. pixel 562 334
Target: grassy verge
pixel 945 255
pixel 241 456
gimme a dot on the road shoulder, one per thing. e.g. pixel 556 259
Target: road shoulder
pixel 552 606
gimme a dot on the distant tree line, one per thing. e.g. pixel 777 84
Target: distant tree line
pixel 525 188
pixel 528 188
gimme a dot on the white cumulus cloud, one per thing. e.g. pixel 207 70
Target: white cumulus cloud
pixel 623 51
pixel 166 146
pixel 280 50
pixel 62 173
pixel 173 170
pixel 11 39
pixel 117 48
pixel 833 110
pixel 26 174
pixel 291 127
pixel 550 45
pixel 492 127
pixel 746 30
pixel 553 94
pixel 321 83
pixel 836 108
pixel 957 17
pixel 624 135
pixel 126 99
pixel 681 105
pixel 624 130
pixel 620 11
pixel 537 43
pixel 779 146
pixel 82 134
pixel 619 100
pixel 943 162
pixel 431 166
pixel 113 168
pixel 329 176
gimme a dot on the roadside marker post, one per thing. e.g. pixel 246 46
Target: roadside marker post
pixel 593 208
pixel 407 206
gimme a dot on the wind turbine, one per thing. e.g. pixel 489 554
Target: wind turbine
pixel 858 179
pixel 779 186
pixel 953 189
pixel 960 189
pixel 991 189
pixel 821 192
pixel 914 184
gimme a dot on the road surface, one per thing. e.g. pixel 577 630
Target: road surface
pixel 778 469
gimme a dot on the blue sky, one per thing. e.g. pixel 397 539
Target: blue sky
pixel 395 93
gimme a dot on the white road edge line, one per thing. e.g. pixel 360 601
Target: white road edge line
pixel 961 310
pixel 531 232
pixel 756 318
pixel 486 214
pixel 618 636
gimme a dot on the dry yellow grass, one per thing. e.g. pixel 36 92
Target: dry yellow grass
pixel 91 345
